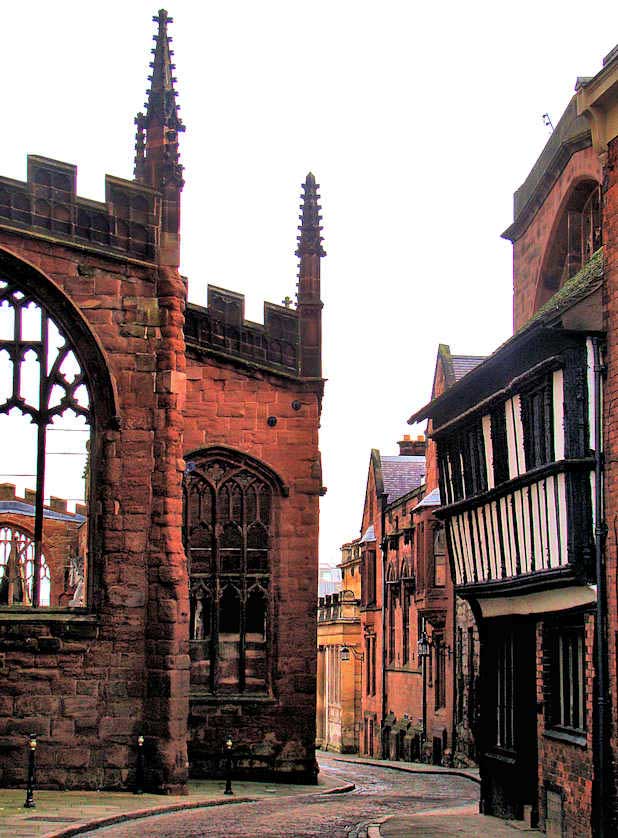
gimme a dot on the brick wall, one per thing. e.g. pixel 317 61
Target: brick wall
pixel 610 435
pixel 566 768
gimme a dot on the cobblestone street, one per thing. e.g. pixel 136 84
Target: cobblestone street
pixel 379 792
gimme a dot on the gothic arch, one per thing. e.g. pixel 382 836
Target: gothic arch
pixel 48 345
pixel 563 257
pixel 231 510
pixel 86 344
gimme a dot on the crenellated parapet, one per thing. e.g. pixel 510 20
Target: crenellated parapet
pixel 47 204
pixel 221 327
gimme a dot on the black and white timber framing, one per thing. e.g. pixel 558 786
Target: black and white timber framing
pixel 517 468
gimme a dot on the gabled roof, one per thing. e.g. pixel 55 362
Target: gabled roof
pixel 401 474
pixel 454 367
pixel 463 364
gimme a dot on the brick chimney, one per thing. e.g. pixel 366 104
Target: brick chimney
pixel 412 447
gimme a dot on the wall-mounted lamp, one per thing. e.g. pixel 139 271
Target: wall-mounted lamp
pixel 344 653
pixel 424 645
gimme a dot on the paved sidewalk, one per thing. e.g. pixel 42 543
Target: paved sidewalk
pixel 61 814
pixel 460 821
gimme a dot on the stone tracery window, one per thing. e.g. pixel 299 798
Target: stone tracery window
pixel 229 504
pixel 45 423
pixel 17 569
pixel 577 235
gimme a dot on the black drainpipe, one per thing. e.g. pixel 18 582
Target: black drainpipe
pixel 383 549
pixel 602 799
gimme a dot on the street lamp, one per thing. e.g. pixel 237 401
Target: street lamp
pixel 30 804
pixel 228 779
pixel 140 768
pixel 424 651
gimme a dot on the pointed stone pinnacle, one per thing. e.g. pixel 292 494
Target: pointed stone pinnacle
pixel 310 240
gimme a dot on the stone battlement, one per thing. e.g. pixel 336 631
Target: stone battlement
pixel 221 327
pixel 47 204
pixel 7 492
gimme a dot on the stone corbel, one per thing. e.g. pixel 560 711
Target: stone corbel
pixel 597 100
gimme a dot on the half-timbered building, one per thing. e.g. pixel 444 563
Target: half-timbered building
pixel 520 445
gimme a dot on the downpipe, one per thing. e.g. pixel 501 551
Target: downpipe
pixel 600 739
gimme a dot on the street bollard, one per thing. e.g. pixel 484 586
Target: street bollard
pixel 140 768
pixel 30 804
pixel 228 779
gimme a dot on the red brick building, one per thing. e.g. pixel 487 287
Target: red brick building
pixel 201 485
pixel 407 611
pixel 526 452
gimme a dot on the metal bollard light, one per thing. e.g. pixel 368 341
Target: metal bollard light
pixel 30 804
pixel 228 779
pixel 140 768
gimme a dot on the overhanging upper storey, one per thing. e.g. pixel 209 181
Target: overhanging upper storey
pixel 516 449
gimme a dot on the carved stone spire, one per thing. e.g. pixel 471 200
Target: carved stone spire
pixel 161 107
pixel 162 121
pixel 310 240
pixel 310 251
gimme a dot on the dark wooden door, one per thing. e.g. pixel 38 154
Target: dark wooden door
pixel 508 722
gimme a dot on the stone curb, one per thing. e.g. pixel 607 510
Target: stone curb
pixel 340 789
pixel 122 817
pixel 452 772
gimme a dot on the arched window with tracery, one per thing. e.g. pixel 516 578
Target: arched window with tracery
pixel 577 235
pixel 45 427
pixel 17 567
pixel 229 525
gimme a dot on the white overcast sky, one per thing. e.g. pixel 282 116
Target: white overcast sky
pixel 418 119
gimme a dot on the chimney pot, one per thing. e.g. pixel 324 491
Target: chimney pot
pixel 412 447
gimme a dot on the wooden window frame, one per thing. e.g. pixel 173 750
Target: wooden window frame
pixel 537 421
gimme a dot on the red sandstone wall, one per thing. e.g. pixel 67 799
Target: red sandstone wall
pixel 530 249
pixel 81 685
pixel 229 405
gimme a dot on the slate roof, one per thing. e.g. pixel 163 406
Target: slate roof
pixel 401 474
pixel 432 499
pixel 370 535
pixel 463 364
